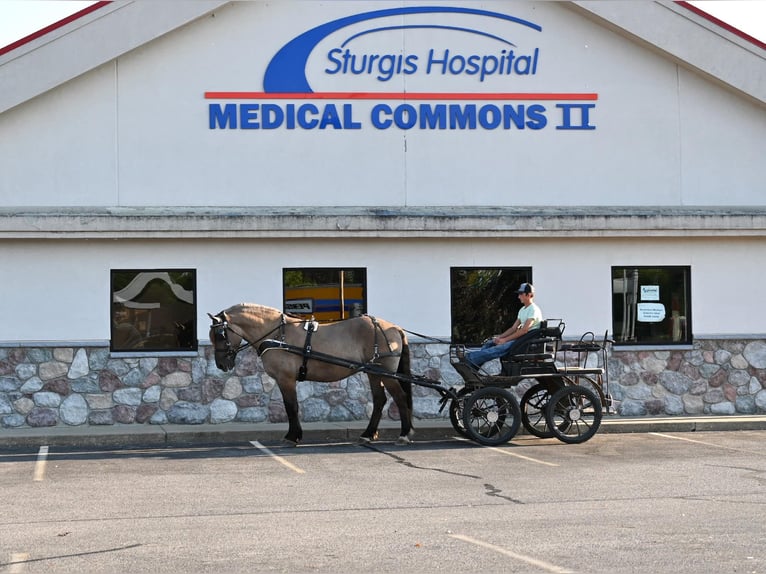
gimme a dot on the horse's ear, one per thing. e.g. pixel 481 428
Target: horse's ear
pixel 211 317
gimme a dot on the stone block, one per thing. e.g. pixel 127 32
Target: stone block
pixel 74 410
pixel 52 370
pixel 176 380
pixel 184 412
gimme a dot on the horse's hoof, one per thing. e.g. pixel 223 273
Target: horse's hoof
pixel 364 440
pixel 403 441
pixel 288 442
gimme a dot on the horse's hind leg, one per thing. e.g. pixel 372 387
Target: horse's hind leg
pixel 378 402
pixel 405 414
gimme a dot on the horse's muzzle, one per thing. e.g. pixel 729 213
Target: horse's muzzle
pixel 224 360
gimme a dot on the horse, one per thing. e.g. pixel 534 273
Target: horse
pixel 293 349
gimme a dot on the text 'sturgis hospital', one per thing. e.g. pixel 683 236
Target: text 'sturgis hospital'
pixel 415 161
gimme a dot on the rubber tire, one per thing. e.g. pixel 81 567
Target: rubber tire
pixel 491 416
pixel 533 405
pixel 456 412
pixel 574 399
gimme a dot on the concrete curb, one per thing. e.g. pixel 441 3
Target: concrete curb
pixel 123 436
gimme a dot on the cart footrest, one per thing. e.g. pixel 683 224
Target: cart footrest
pixel 464 370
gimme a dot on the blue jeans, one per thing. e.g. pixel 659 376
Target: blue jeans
pixel 488 352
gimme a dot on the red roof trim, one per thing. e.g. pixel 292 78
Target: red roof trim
pixel 722 24
pixel 97 5
pixel 54 26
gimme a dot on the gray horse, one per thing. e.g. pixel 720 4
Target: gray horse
pixel 293 349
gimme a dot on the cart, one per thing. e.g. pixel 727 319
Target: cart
pixel 566 401
pixel 567 398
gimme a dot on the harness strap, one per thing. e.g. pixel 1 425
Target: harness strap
pixel 375 329
pixel 376 349
pixel 310 327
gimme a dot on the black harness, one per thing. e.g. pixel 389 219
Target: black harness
pixel 310 327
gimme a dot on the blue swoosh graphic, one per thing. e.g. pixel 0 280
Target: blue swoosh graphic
pixel 455 28
pixel 286 72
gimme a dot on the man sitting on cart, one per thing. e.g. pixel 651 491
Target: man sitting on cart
pixel 528 319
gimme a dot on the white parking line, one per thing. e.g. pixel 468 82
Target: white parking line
pixel 663 435
pixel 521 557
pixel 42 459
pixel 276 457
pixel 18 562
pixel 509 453
pixel 521 456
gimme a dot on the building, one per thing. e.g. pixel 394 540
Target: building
pixel 164 161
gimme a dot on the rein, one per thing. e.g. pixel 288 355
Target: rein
pixel 428 337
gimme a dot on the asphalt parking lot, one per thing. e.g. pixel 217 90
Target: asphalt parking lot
pixel 641 502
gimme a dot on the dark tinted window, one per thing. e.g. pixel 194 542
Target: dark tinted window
pixel 484 301
pixel 154 310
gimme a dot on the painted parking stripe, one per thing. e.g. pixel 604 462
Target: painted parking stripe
pixel 42 459
pixel 509 453
pixel 663 435
pixel 18 562
pixel 276 457
pixel 541 564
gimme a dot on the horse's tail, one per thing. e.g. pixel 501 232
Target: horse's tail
pixel 404 369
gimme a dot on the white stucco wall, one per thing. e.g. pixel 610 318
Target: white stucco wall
pixel 60 289
pixel 134 132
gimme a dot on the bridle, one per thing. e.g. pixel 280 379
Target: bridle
pixel 221 343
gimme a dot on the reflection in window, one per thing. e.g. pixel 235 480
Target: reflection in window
pixel 651 305
pixel 484 301
pixel 327 294
pixel 154 310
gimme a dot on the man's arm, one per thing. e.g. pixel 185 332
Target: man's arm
pixel 516 331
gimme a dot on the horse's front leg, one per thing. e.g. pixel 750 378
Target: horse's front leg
pixel 378 402
pixel 290 398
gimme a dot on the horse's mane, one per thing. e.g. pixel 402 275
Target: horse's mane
pixel 251 308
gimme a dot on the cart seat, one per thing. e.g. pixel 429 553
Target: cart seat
pixel 536 349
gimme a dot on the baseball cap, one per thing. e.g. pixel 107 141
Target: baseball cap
pixel 526 288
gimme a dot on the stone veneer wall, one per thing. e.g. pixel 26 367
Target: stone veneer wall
pixel 48 386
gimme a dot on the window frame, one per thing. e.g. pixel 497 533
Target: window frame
pixel 682 321
pixel 186 322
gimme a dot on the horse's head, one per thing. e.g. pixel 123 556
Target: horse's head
pixel 225 341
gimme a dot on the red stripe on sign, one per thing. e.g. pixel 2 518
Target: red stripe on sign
pixel 395 96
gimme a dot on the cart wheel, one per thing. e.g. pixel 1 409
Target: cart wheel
pixel 456 412
pixel 532 407
pixel 491 416
pixel 573 414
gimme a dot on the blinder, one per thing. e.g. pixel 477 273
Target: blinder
pixel 225 353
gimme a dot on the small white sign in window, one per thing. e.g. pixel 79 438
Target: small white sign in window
pixel 651 312
pixel 650 292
